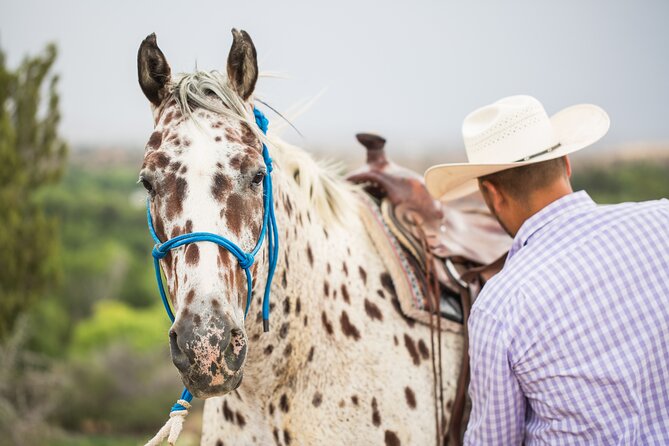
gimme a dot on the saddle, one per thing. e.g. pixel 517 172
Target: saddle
pixel 451 248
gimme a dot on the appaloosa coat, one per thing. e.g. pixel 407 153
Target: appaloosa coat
pixel 340 364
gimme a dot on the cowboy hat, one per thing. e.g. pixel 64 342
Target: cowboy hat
pixel 512 132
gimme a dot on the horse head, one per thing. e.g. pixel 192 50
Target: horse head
pixel 204 172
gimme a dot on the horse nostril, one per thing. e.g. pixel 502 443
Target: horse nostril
pixel 173 339
pixel 179 357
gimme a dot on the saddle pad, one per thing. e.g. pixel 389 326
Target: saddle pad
pixel 407 287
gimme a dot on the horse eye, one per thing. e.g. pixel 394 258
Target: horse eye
pixel 258 178
pixel 146 184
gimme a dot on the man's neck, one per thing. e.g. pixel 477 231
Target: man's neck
pixel 539 200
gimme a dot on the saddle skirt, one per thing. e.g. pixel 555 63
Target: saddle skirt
pixel 459 242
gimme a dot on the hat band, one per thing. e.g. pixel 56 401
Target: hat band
pixel 548 150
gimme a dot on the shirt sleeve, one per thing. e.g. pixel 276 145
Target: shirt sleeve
pixel 498 403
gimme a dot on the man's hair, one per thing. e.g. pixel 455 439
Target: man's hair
pixel 521 181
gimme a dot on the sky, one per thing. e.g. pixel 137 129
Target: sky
pixel 410 71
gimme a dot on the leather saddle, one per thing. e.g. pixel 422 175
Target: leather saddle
pixel 459 245
pixel 459 242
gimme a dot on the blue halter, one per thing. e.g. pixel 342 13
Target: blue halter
pixel 245 259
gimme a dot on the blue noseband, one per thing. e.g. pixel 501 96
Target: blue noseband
pixel 245 259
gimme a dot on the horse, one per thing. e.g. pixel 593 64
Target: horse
pixel 341 363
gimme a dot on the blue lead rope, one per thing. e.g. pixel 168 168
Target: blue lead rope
pixel 246 260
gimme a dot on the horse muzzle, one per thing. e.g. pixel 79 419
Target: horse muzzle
pixel 208 354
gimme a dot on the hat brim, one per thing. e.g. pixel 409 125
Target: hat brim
pixel 575 128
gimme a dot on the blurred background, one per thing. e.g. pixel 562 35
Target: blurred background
pixel 83 345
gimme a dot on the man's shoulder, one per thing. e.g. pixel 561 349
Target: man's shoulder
pixel 549 257
pixel 632 209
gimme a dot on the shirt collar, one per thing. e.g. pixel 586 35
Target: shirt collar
pixel 565 205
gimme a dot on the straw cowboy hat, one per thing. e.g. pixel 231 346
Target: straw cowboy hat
pixel 512 132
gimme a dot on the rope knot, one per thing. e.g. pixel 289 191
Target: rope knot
pixel 180 405
pixel 157 252
pixel 246 261
pixel 261 120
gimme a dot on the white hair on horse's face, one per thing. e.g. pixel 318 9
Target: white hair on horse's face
pixel 330 196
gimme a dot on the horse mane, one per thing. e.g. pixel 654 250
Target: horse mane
pixel 328 194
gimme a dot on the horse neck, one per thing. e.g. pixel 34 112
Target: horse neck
pixel 312 273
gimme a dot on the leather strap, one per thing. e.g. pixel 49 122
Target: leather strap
pixel 480 274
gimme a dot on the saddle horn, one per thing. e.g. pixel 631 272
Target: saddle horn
pixel 376 155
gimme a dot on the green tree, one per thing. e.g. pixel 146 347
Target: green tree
pixel 32 156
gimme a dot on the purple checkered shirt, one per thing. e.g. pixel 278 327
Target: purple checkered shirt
pixel 569 343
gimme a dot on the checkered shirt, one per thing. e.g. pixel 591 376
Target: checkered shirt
pixel 569 343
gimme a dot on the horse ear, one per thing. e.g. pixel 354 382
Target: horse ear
pixel 242 64
pixel 153 70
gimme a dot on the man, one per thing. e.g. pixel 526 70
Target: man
pixel 569 343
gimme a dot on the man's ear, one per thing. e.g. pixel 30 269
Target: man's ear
pixel 492 195
pixel 567 165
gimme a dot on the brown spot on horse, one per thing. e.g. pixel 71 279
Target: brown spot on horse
pixel 241 421
pixel 232 213
pixel 363 274
pixel 192 254
pixel 310 255
pixel 224 257
pixel 376 416
pixel 344 293
pixel 248 137
pixel 177 230
pixel 326 323
pixel 236 162
pixel 387 283
pixel 220 186
pixel 317 399
pixel 178 188
pixel 372 310
pixel 232 136
pixel 227 413
pixel 161 160
pixel 283 331
pixel 283 403
pixel 348 328
pixel 411 348
pixel 155 140
pixel 410 397
pixel 189 297
pixel 391 439
pixel 422 349
pixel 168 118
